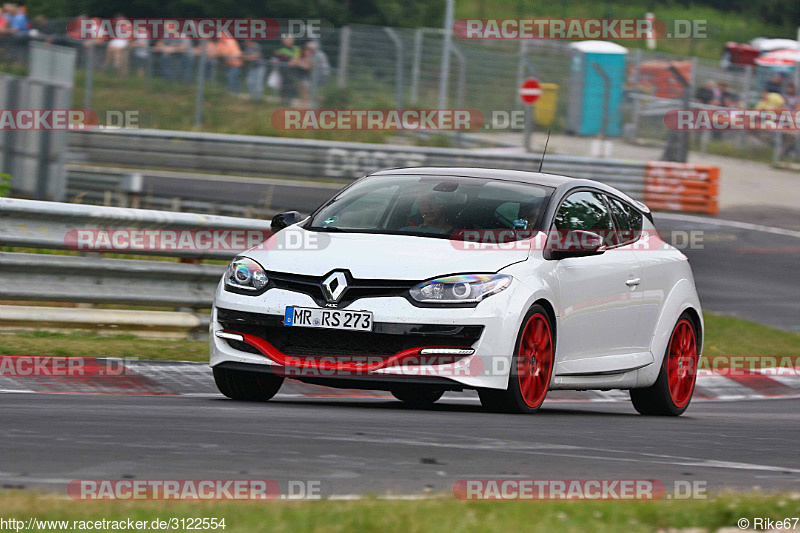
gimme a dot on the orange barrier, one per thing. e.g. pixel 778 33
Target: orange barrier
pixel 681 187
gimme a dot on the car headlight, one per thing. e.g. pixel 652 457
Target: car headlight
pixel 462 289
pixel 246 275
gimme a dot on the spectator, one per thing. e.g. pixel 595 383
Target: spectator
pixel 18 19
pixel 716 93
pixel 705 94
pixel 172 52
pixel 303 65
pixel 209 47
pixel 321 63
pixel 42 29
pixel 770 100
pixel 789 139
pixel 790 96
pixel 256 69
pixel 228 49
pixel 117 54
pixel 282 60
pixel 140 51
pixel 4 24
pixel 775 84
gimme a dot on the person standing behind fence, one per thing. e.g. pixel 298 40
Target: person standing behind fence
pixel 117 54
pixel 229 50
pixel 140 51
pixel 282 60
pixel 18 20
pixel 303 65
pixel 256 69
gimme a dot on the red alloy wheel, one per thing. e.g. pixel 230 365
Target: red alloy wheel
pixel 682 363
pixel 535 360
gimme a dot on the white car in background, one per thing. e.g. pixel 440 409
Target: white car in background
pixel 426 280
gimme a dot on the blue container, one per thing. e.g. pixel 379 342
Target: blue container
pixel 586 88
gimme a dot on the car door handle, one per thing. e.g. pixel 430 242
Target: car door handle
pixel 633 282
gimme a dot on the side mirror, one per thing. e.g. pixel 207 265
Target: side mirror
pixel 576 243
pixel 285 219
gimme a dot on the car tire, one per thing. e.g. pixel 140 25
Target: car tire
pixel 672 392
pixel 531 367
pixel 246 386
pixel 417 397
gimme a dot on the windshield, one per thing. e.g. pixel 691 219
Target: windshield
pixel 433 206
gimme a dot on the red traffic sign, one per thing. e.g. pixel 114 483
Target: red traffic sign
pixel 529 91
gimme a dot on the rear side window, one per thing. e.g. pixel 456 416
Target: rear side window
pixel 629 221
pixel 583 211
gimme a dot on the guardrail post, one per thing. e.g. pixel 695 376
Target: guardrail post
pixel 9 136
pixel 418 38
pixel 314 82
pixel 344 57
pixel 398 67
pixel 462 84
pixel 522 62
pixel 201 83
pixel 89 73
pixel 444 76
pixel 746 84
pixel 43 155
pixel 677 148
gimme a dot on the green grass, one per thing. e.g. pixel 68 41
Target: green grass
pixel 84 344
pixel 170 105
pixel 725 336
pixel 444 514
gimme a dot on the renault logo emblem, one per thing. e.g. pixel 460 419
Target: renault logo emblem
pixel 334 286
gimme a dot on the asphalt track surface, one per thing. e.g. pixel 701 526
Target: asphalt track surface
pixel 739 271
pixel 358 446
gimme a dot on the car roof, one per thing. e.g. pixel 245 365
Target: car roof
pixel 560 183
pixel 538 178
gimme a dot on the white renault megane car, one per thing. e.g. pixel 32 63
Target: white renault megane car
pixel 424 280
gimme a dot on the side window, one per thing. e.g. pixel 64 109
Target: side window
pixel 584 211
pixel 629 221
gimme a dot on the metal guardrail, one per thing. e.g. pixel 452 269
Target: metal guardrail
pixel 94 279
pixel 46 225
pixel 63 278
pixel 312 159
pixel 304 159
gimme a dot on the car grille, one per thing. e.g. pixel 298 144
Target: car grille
pixel 386 339
pixel 356 288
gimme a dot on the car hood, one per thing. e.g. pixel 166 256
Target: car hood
pixel 368 256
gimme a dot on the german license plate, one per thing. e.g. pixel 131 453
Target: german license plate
pixel 308 317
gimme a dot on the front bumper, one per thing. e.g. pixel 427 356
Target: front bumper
pixel 390 354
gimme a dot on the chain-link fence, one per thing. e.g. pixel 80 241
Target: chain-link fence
pixel 185 84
